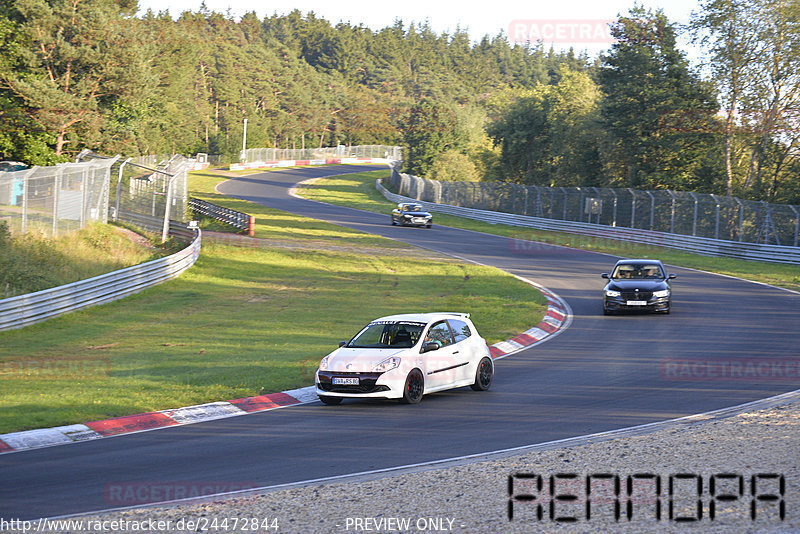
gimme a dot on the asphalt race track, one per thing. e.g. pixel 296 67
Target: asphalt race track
pixel 602 373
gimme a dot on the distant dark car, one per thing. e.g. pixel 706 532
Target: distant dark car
pixel 640 285
pixel 411 214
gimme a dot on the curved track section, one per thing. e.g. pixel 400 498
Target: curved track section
pixel 601 374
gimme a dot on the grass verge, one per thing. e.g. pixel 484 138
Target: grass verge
pixel 358 191
pixel 242 321
pixel 32 262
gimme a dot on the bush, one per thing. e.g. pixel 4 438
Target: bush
pixel 453 166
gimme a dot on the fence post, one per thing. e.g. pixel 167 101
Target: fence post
pixel 84 180
pixel 25 202
pixel 672 212
pixel 614 223
pixel 56 191
pixel 165 228
pixel 119 188
pixel 633 207
pixel 694 220
pixel 796 223
pixel 741 219
pixel 652 209
pixel 251 231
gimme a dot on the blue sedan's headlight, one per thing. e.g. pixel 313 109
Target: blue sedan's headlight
pixel 386 365
pixel 661 294
pixel 612 293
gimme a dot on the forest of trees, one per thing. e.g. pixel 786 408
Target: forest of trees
pixel 92 74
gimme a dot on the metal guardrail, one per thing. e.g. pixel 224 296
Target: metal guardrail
pixel 674 212
pixel 24 310
pixel 698 245
pixel 237 219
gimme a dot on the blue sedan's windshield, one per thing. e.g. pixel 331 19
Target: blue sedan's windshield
pixel 388 335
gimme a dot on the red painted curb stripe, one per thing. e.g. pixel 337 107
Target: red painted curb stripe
pixel 264 402
pixel 131 423
pixel 495 352
pixel 547 327
pixel 524 339
pixel 5 447
pixel 555 314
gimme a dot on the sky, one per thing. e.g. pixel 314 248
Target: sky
pixel 564 23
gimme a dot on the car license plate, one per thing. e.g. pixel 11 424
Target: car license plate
pixel 418 220
pixel 637 303
pixel 345 381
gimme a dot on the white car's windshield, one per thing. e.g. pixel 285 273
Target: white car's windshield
pixel 388 335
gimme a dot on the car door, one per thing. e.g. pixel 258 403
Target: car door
pixel 441 364
pixel 465 346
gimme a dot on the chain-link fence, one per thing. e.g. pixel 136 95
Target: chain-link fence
pixel 678 212
pixel 57 199
pixel 148 191
pixel 252 155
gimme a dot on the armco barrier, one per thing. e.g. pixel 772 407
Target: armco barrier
pixel 699 245
pixel 24 310
pixel 237 219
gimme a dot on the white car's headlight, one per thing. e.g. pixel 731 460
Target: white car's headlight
pixel 661 294
pixel 387 365
pixel 323 365
pixel 612 293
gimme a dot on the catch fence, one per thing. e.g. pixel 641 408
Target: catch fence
pixel 148 187
pixel 677 212
pixel 57 199
pixel 342 151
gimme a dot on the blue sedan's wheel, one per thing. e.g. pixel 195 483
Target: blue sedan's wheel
pixel 415 386
pixel 483 375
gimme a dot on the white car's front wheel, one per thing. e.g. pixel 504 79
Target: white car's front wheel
pixel 414 387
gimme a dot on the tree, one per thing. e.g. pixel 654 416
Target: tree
pixel 729 29
pixel 659 115
pixel 80 58
pixel 549 135
pixel 428 129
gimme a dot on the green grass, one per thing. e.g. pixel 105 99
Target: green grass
pixel 32 262
pixel 242 321
pixel 358 191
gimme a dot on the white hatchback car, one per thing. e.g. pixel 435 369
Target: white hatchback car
pixel 406 356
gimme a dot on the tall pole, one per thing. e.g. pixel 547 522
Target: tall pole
pixel 243 155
